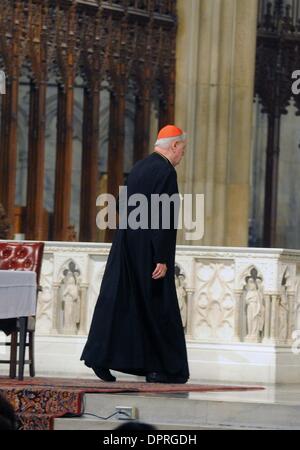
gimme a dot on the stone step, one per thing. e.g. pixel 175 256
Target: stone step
pixel 87 423
pixel 186 412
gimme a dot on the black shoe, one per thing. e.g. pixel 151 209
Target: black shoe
pixel 104 374
pixel 177 380
pixel 155 377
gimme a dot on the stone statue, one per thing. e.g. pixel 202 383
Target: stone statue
pixel 44 310
pixel 255 310
pixel 71 304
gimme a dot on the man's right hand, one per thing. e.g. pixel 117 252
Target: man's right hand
pixel 160 271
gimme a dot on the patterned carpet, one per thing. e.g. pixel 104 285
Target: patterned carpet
pixel 38 401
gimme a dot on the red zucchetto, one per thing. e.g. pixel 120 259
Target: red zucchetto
pixel 169 131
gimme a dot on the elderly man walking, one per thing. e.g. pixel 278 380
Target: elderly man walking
pixel 136 326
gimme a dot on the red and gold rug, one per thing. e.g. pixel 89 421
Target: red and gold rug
pixel 38 401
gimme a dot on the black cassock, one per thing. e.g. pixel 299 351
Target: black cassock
pixel 136 326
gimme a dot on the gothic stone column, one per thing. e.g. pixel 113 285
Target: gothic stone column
pixel 214 93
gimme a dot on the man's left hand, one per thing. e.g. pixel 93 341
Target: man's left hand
pixel 160 271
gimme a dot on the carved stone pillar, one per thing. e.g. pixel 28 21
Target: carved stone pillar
pixel 274 317
pixel 83 309
pixel 214 102
pixel 291 318
pixel 190 312
pixel 267 327
pixel 237 336
pixel 55 311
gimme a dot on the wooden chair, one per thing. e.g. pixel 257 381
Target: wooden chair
pixel 21 256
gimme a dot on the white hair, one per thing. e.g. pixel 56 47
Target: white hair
pixel 166 142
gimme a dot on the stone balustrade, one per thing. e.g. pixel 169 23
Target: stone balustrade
pixel 240 310
pixel 226 295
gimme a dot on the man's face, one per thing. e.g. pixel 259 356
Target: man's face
pixel 178 149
